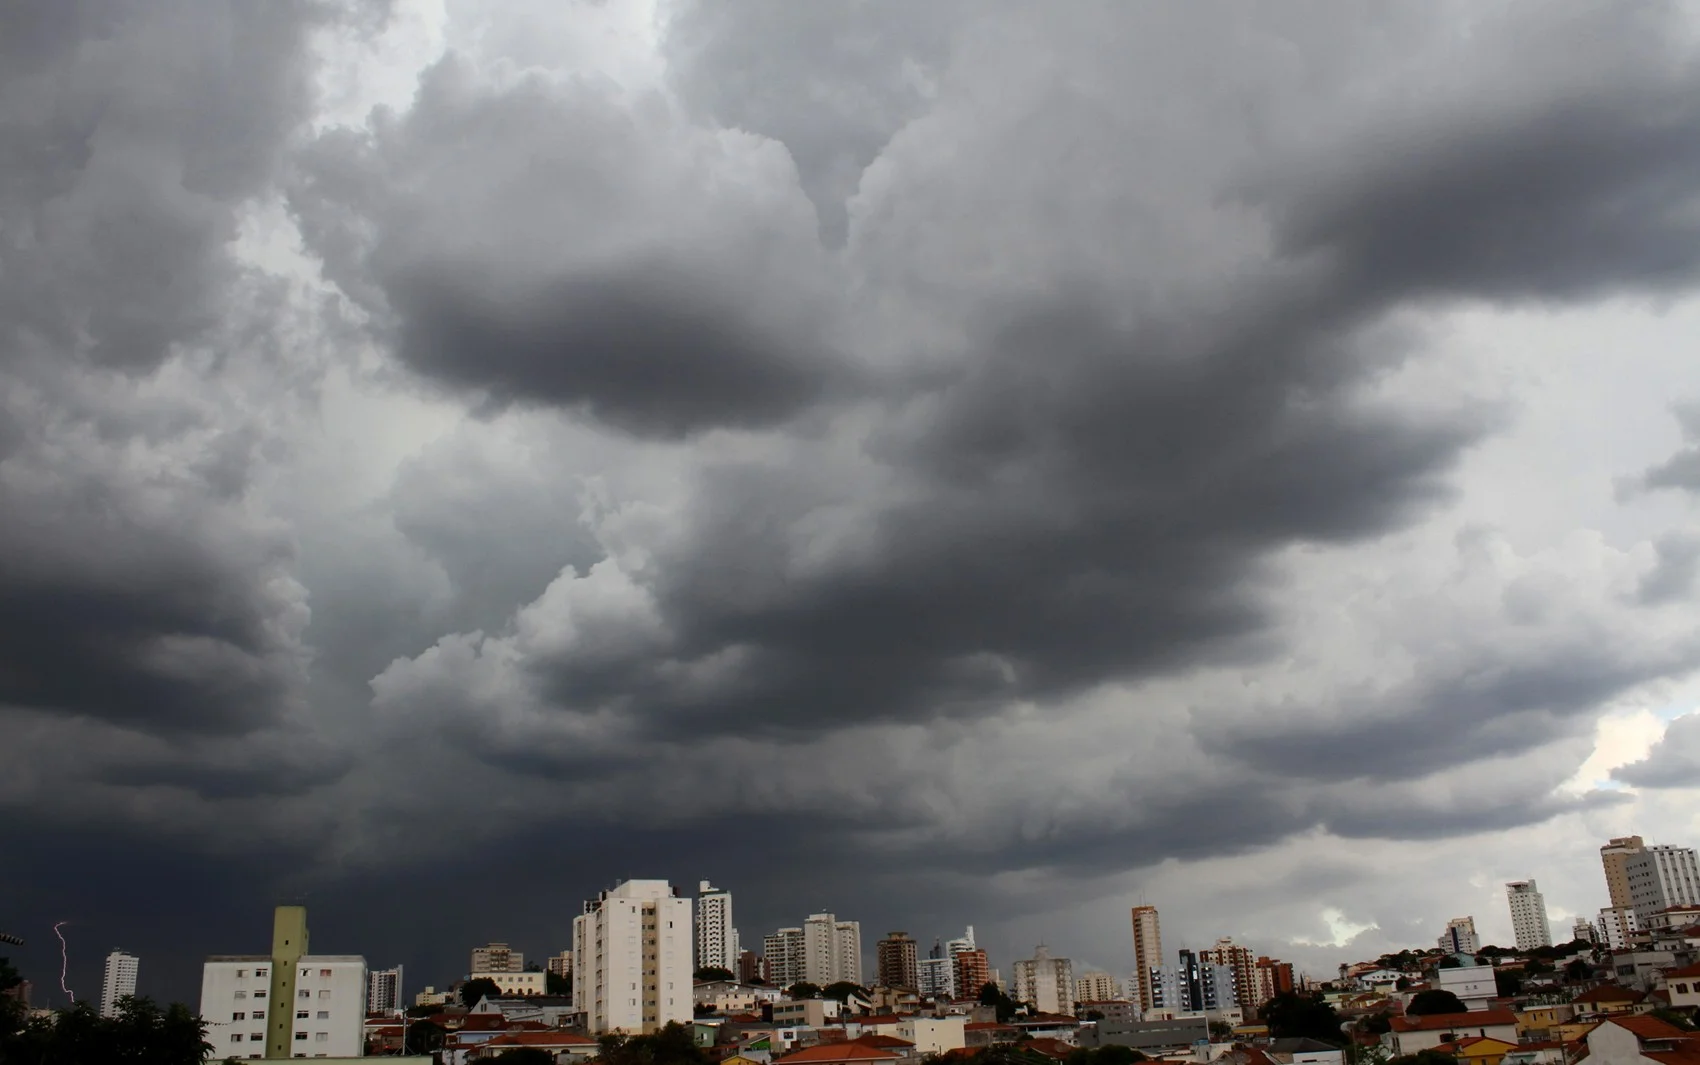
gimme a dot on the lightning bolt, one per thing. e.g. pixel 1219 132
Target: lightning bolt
pixel 64 960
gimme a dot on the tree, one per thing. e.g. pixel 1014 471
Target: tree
pixel 1673 1018
pixel 1507 984
pixel 713 972
pixel 1539 965
pixel 1434 1000
pixel 1376 1024
pixel 526 1056
pixel 842 990
pixel 422 1037
pixel 1220 1030
pixel 141 1034
pixel 672 1045
pixel 993 995
pixel 1579 971
pixel 473 990
pixel 1290 1015
pixel 803 989
pixel 555 983
pixel 1450 962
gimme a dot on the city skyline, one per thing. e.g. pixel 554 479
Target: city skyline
pixel 1008 465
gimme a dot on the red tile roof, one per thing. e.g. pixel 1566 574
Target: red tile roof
pixel 1050 1047
pixel 1444 1022
pixel 1673 1057
pixel 986 1026
pixel 832 1053
pixel 1610 993
pixel 1646 1027
pixel 889 1042
pixel 1686 970
pixel 541 1039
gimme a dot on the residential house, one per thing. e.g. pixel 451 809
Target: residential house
pixel 1409 1035
pixel 1304 1051
pixel 1540 1022
pixel 1478 1050
pixel 810 1012
pixel 565 1047
pixel 1608 1000
pixel 1683 987
pixel 1639 1040
pixel 934 1035
pixel 849 1053
pixel 1544 1052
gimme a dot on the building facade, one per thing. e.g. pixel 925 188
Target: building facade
pixel 784 955
pixel 1243 962
pixel 1528 915
pixel 1147 954
pixel 632 950
pixel 1460 936
pixel 1046 982
pixel 973 972
pixel 1617 926
pixel 1613 856
pixel 717 940
pixel 1191 985
pixel 897 958
pixel 323 1016
pixel 1096 987
pixel 560 964
pixel 936 977
pixel 119 981
pixel 832 950
pixel 1661 877
pixel 496 958
pixel 383 990
pixel 520 983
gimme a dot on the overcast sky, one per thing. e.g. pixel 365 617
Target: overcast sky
pixel 954 462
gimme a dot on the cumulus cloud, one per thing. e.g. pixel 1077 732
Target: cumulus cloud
pixel 1673 762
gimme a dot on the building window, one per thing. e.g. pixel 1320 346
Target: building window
pixel 241 994
pixel 238 1016
pixel 255 1037
pixel 300 1015
pixel 325 994
pixel 305 972
pixel 259 972
pixel 236 1037
pixel 259 994
pixel 321 1037
pixel 240 973
pixel 301 1036
pixel 324 1015
pixel 324 972
pixel 259 1015
pixel 304 994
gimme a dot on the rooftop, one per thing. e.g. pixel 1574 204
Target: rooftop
pixel 1442 1022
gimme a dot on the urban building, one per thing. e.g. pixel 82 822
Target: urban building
pixel 286 1004
pixel 1192 985
pixel 383 990
pixel 1147 955
pixel 752 966
pixel 1528 915
pixel 1046 982
pixel 936 977
pixel 1096 987
pixel 1583 929
pixel 1617 926
pixel 832 950
pixel 1243 962
pixel 973 972
pixel 520 983
pixel 119 982
pixel 897 956
pixel 1661 877
pixel 963 942
pixel 1460 936
pixel 717 940
pixel 1613 856
pixel 633 947
pixel 560 964
pixel 1271 977
pixel 784 954
pixel 496 958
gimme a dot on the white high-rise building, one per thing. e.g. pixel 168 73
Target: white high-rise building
pixel 717 940
pixel 1045 981
pixel 963 942
pixel 1528 915
pixel 1460 936
pixel 1617 925
pixel 1660 877
pixel 784 952
pixel 832 950
pixel 327 1015
pixel 937 977
pixel 632 949
pixel 383 990
pixel 120 981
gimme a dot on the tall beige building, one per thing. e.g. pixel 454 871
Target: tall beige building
pixel 1243 962
pixel 1614 856
pixel 1147 955
pixel 1096 987
pixel 497 958
pixel 1046 982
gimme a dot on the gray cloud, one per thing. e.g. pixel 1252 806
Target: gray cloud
pixel 1674 762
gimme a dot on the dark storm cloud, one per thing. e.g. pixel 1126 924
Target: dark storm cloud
pixel 604 269
pixel 1674 761
pixel 1682 470
pixel 648 349
pixel 1673 574
pixel 1579 182
pixel 137 585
